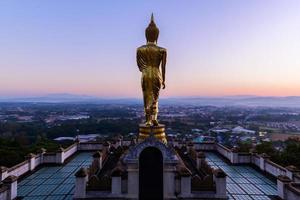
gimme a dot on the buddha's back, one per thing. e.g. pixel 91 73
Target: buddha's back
pixel 149 55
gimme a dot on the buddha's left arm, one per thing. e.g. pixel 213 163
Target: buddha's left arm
pixel 139 60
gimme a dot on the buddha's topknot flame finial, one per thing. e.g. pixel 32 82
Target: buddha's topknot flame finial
pixel 152 31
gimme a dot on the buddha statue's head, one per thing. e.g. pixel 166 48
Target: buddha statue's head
pixel 152 31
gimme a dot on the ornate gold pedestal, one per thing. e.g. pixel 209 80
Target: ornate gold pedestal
pixel 157 131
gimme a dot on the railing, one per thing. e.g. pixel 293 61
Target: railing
pixel 274 169
pixel 244 158
pixel 255 160
pixel 32 162
pixel 205 146
pixel 49 158
pixel 19 169
pixel 224 151
pixel 293 191
pixel 90 146
pixel 38 160
pixel 297 177
pixel 263 163
pixel 69 151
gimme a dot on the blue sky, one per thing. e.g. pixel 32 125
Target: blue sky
pixel 215 47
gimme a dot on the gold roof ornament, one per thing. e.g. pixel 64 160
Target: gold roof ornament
pixel 152 31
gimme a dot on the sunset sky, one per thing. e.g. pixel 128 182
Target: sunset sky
pixel 215 47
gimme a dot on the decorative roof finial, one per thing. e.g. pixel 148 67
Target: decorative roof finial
pixel 152 18
pixel 152 31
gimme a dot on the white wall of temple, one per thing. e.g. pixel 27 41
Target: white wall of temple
pixel 49 158
pixel 69 151
pixel 18 170
pixel 169 183
pixel 274 169
pixel 244 158
pixel 224 151
pixel 3 194
pixel 36 160
pixel 90 146
pixel 133 183
pixel 290 195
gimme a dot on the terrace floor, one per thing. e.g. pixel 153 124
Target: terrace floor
pixel 58 182
pixel 244 182
pixel 53 183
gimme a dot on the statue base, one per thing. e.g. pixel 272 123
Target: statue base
pixel 155 131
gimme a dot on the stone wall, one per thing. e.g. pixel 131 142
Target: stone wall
pixel 255 159
pixel 19 169
pixel 49 158
pixel 287 189
pixel 32 161
pixel 90 146
pixel 3 193
pixel 206 146
pixel 244 158
pixel 224 151
pixel 274 169
pixel 69 151
pixel 38 160
pixel 297 177
pixel 292 191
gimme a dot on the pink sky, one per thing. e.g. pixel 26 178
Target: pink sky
pixel 215 48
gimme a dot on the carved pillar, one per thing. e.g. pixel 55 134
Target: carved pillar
pixel 80 183
pixel 291 171
pixel 220 180
pixel 169 181
pixel 190 147
pixel 185 183
pixel 133 181
pixel 200 159
pixel 177 184
pixel 42 151
pixel 234 156
pixel 60 155
pixel 12 185
pixel 97 162
pixel 282 182
pixel 262 161
pixel 31 159
pixel 3 173
pixel 116 182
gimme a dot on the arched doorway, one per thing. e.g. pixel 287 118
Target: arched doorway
pixel 151 174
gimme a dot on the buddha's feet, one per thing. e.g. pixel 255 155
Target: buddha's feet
pixel 148 123
pixel 155 122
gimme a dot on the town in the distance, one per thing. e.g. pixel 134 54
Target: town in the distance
pixel 251 144
pixel 271 130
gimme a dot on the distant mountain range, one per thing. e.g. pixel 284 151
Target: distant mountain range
pixel 242 100
pixel 251 101
pixel 67 98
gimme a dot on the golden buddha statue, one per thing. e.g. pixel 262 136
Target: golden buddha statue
pixel 149 59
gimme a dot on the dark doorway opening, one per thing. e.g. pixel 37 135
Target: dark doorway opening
pixel 151 174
